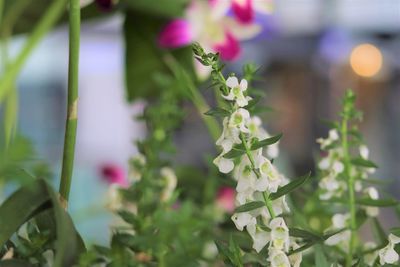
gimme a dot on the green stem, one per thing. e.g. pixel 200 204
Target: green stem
pixel 44 25
pixel 350 184
pixel 71 122
pixel 257 173
pixel 195 96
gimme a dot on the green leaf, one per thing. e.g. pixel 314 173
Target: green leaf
pixel 300 233
pixel 218 112
pixel 250 206
pixel 237 151
pixel 395 231
pixel 266 142
pixel 377 202
pixel 293 185
pixel 20 207
pixel 15 263
pixel 235 250
pixel 166 8
pixel 363 163
pixel 144 59
pixel 320 258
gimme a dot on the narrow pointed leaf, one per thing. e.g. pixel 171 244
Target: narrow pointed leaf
pixel 300 233
pixel 363 163
pixel 266 142
pixel 218 112
pixel 284 190
pixel 320 258
pixel 250 206
pixel 377 202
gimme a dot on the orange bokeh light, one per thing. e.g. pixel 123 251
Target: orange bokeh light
pixel 366 60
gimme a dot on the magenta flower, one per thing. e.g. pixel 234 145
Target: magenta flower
pixel 207 22
pixel 114 174
pixel 226 199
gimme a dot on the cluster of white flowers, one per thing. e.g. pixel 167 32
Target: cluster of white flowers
pixel 256 178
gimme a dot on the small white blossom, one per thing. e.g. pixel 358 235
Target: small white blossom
pixel 278 258
pixel 242 219
pixel 236 91
pixel 239 118
pixel 267 170
pixel 373 194
pixel 296 258
pixel 279 234
pixel 364 151
pixel 224 165
pixel 388 254
pixel 260 237
pixel 229 136
pixel 333 136
pixel 370 258
pixel 339 221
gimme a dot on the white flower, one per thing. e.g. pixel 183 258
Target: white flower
pixel 279 234
pixel 229 136
pixel 236 91
pixel 331 187
pixel 339 221
pixel 247 180
pixel 333 136
pixel 388 254
pixel 267 170
pixel 370 258
pixel 296 258
pixel 260 237
pixel 278 258
pixel 170 182
pixel 242 219
pixel 364 151
pixel 239 118
pixel 224 165
pixel 373 194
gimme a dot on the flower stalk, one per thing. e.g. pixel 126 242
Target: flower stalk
pixel 350 184
pixel 71 121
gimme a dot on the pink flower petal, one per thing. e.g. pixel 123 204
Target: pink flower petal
pixel 114 174
pixel 226 199
pixel 229 49
pixel 243 10
pixel 175 34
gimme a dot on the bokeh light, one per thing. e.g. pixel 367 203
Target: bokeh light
pixel 366 60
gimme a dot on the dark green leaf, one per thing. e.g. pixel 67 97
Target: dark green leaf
pixel 236 151
pixel 266 142
pixel 363 163
pixel 293 185
pixel 250 206
pixel 377 202
pixel 218 112
pixel 300 233
pixel 20 207
pixel 395 231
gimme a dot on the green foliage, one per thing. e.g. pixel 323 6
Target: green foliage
pixel 250 206
pixel 293 185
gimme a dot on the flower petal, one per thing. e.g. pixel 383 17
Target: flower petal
pixel 232 82
pixel 177 33
pixel 243 10
pixel 229 49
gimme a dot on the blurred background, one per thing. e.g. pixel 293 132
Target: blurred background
pixel 309 52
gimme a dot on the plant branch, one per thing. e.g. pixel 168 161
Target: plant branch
pixel 71 122
pixel 44 25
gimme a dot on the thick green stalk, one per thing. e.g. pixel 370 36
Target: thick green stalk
pixel 72 111
pixel 350 184
pixel 256 172
pixel 45 24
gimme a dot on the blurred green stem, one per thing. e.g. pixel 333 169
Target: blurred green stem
pixel 45 24
pixel 195 96
pixel 72 111
pixel 350 184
